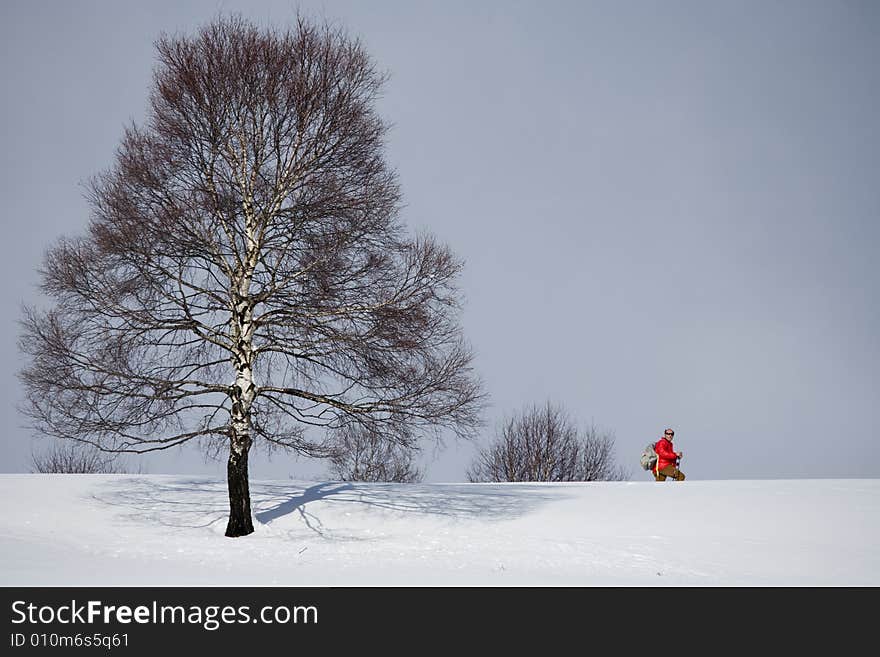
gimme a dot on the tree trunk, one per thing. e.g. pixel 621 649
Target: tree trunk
pixel 240 521
pixel 242 396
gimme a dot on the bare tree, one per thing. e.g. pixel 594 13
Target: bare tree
pixel 598 462
pixel 249 232
pixel 543 443
pixel 362 454
pixel 75 458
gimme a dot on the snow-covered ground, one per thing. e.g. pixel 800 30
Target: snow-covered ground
pixel 168 530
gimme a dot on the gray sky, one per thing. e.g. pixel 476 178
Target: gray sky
pixel 669 211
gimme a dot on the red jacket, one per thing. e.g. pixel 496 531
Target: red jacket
pixel 665 454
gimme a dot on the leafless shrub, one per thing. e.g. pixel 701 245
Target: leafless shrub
pixel 364 455
pixel 76 458
pixel 543 443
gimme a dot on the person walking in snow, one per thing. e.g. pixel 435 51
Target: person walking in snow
pixel 667 459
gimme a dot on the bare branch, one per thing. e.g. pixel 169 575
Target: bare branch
pixel 361 454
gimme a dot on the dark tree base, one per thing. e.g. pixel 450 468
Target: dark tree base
pixel 240 521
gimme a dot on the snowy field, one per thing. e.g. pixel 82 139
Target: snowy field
pixel 168 530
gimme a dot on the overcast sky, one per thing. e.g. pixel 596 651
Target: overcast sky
pixel 669 211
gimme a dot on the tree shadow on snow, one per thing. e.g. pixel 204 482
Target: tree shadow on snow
pixel 486 501
pixel 198 503
pixel 168 501
pixel 298 503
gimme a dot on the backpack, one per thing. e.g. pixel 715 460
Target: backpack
pixel 649 457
